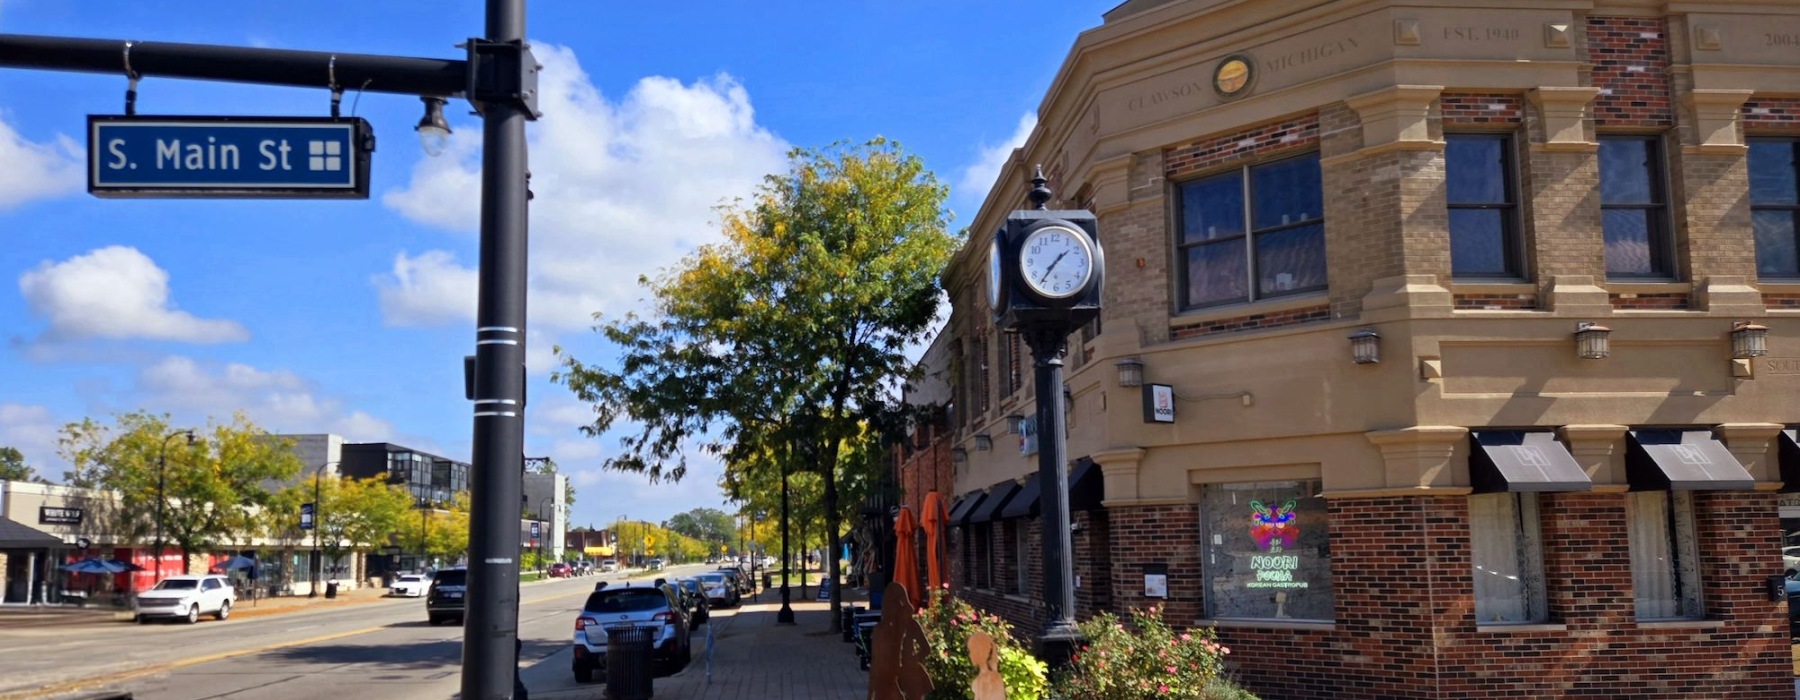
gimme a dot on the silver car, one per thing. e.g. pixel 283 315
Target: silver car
pixel 655 608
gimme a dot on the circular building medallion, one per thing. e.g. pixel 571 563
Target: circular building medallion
pixel 1232 77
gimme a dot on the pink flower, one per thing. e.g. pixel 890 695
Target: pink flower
pixel 1186 637
pixel 1163 688
pixel 1170 669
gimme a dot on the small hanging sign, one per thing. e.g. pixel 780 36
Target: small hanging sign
pixel 1159 403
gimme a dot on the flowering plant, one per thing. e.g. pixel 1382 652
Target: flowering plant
pixel 1145 659
pixel 948 622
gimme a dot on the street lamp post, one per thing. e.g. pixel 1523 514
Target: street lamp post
pixel 162 468
pixel 545 534
pixel 318 509
pixel 424 532
pixel 785 616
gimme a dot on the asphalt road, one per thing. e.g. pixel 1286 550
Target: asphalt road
pixel 382 650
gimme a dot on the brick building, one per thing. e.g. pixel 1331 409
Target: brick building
pixel 1462 313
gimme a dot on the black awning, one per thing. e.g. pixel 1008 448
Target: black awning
pixel 1682 460
pixel 17 535
pixel 1508 460
pixel 997 496
pixel 1790 459
pixel 1087 487
pixel 959 514
pixel 1024 504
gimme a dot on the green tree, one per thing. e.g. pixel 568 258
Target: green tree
pixel 14 468
pixel 211 486
pixel 710 526
pixel 787 334
pixel 442 529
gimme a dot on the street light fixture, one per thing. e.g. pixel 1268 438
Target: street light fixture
pixel 162 464
pixel 434 132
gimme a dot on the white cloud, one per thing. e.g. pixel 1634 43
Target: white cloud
pixel 425 290
pixel 978 178
pixel 117 293
pixel 601 495
pixel 32 430
pixel 278 401
pixel 623 188
pixel 37 171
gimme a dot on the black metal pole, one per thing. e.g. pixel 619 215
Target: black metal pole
pixel 1059 636
pixel 314 69
pixel 490 650
pixel 318 564
pixel 785 616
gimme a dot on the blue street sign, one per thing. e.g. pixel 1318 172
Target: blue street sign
pixel 306 516
pixel 536 529
pixel 229 157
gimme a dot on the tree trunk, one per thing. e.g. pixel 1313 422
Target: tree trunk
pixel 832 544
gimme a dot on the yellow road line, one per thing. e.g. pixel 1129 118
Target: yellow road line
pixel 160 668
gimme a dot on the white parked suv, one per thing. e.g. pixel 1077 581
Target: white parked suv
pixel 186 598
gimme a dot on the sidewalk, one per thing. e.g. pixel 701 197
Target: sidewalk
pixel 757 659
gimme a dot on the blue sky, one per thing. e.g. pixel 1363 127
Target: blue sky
pixel 352 317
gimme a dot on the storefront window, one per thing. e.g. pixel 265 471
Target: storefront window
pixel 1508 554
pixel 1267 552
pixel 1665 556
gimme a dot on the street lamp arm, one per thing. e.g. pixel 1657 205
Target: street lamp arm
pixel 312 69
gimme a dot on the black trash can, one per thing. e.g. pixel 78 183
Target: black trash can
pixel 768 580
pixel 628 663
pixel 331 590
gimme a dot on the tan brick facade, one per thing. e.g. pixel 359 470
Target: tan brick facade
pixel 1267 390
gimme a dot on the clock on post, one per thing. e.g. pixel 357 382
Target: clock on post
pixel 1045 267
pixel 1045 275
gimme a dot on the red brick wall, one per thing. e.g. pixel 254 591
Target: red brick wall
pixel 1630 57
pixel 1508 302
pixel 1781 301
pixel 1309 314
pixel 927 468
pixel 1480 109
pixel 1650 301
pixel 1772 113
pixel 1092 563
pixel 1294 134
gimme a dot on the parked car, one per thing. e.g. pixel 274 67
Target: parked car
pixel 699 610
pixel 410 585
pixel 656 564
pixel 656 608
pixel 720 592
pixel 739 579
pixel 445 601
pixel 609 565
pixel 561 570
pixel 185 598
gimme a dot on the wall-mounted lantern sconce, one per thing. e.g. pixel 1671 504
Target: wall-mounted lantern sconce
pixel 983 442
pixel 1131 372
pixel 1748 340
pixel 1591 341
pixel 1015 424
pixel 959 455
pixel 1365 347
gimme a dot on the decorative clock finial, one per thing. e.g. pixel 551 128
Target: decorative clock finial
pixel 1039 193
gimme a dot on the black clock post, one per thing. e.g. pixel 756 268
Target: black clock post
pixel 1048 273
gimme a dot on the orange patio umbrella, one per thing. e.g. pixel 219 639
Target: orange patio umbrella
pixel 906 564
pixel 936 522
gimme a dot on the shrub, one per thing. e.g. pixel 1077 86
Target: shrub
pixel 1145 659
pixel 948 622
pixel 1025 676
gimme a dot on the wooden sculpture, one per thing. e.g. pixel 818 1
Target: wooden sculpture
pixel 986 655
pixel 897 662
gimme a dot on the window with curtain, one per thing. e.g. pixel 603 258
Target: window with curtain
pixel 1508 555
pixel 1634 215
pixel 1254 233
pixel 1484 216
pixel 1665 557
pixel 1266 551
pixel 1774 202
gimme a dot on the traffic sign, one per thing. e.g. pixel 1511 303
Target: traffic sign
pixel 306 516
pixel 229 157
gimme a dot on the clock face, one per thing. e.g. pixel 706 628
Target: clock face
pixel 1056 261
pixel 994 273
